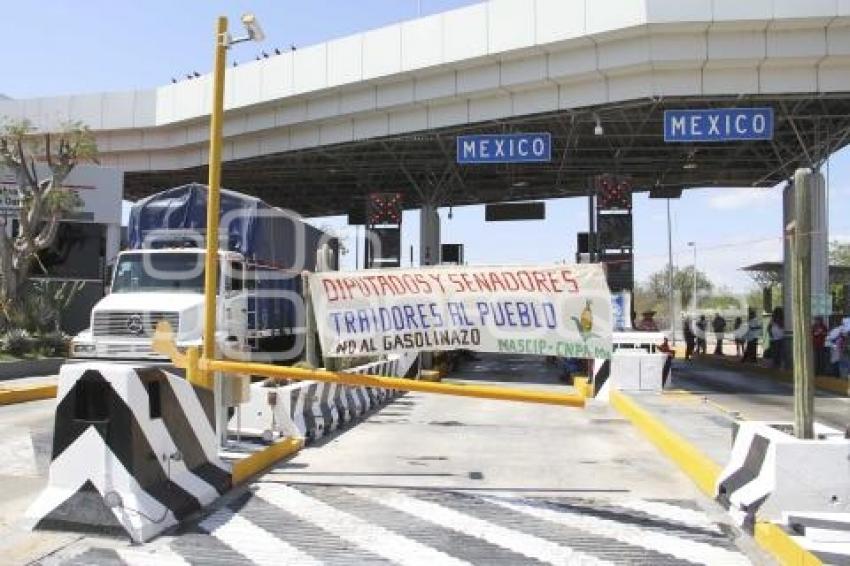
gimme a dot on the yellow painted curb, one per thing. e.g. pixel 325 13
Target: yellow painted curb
pixel 255 463
pixel 583 387
pixel 702 470
pixel 833 384
pixel 777 542
pixel 10 396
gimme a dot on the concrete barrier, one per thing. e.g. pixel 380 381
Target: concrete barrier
pixel 134 450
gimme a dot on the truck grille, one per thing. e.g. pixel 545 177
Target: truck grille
pixel 131 324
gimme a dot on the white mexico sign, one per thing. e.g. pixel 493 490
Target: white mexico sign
pixel 562 310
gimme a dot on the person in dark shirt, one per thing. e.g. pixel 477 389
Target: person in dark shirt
pixel 702 326
pixel 718 326
pixel 819 332
pixel 739 333
pixel 688 333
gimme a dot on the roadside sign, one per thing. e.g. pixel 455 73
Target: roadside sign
pixel 718 125
pixel 504 148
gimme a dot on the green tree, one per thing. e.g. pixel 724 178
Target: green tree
pixel 658 284
pixel 839 253
pixel 40 202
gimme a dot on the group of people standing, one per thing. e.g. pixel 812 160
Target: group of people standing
pixel 745 334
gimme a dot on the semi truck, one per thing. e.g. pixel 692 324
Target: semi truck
pixel 160 276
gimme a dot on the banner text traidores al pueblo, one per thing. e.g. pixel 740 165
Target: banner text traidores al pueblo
pixel 560 310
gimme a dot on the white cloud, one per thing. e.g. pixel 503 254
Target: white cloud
pixel 728 199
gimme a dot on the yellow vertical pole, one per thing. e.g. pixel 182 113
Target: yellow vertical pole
pixel 216 118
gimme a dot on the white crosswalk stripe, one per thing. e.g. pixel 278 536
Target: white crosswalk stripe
pixel 679 547
pixel 668 512
pixel 515 541
pixel 161 556
pixel 370 537
pixel 253 542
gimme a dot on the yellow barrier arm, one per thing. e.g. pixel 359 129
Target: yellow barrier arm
pixel 198 368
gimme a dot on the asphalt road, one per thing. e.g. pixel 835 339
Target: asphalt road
pixel 754 396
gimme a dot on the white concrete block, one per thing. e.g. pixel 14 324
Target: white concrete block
pixel 733 10
pixel 614 15
pixel 534 101
pixel 304 136
pixel 277 77
pixel 677 82
pixel 804 8
pixel 677 48
pixel 834 75
pixel 510 25
pixel 730 80
pixel 558 20
pixel 88 109
pixel 162 138
pixel 326 106
pixel 135 161
pixel 583 93
pixel 796 43
pixel 785 78
pixel 448 114
pixel 345 60
pixel 572 63
pixel 529 70
pixel 336 132
pixel 165 160
pixel 395 94
pixel 247 83
pixel 234 124
pixel 144 109
pixel 629 86
pixel 361 100
pixel 371 126
pixel 311 68
pixel 434 87
pixel 478 79
pixel 736 45
pixel 838 39
pixel 664 11
pixel 409 120
pixel 490 108
pixel 382 52
pixel 276 141
pixel 118 109
pixel 421 42
pixel 623 53
pixel 192 98
pixel 291 113
pixel 465 33
pixel 260 119
pixel 197 133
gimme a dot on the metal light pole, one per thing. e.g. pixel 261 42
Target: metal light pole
pixel 223 41
pixel 694 246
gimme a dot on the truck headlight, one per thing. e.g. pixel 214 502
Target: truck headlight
pixel 83 348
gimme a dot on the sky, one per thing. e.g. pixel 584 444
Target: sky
pixel 102 45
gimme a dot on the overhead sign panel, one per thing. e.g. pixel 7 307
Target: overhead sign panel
pixel 562 310
pixel 535 210
pixel 504 148
pixel 718 125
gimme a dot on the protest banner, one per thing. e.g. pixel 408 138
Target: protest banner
pixel 562 310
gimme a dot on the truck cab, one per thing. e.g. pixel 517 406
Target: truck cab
pixel 150 285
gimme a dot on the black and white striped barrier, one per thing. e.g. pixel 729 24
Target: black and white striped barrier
pixel 134 449
pixel 311 410
pixel 771 472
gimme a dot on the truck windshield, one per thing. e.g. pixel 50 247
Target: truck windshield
pixel 140 272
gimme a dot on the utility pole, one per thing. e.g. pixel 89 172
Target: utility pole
pixel 800 233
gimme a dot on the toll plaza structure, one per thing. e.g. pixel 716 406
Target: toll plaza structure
pixel 514 105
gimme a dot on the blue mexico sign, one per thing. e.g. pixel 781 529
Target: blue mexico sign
pixel 504 148
pixel 718 125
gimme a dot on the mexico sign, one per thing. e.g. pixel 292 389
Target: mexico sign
pixel 504 148
pixel 562 310
pixel 718 125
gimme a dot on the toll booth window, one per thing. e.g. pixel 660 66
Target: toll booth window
pixel 90 401
pixel 236 277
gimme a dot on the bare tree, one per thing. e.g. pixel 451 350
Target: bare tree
pixel 41 202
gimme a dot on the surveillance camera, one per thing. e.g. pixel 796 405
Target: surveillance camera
pixel 252 26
